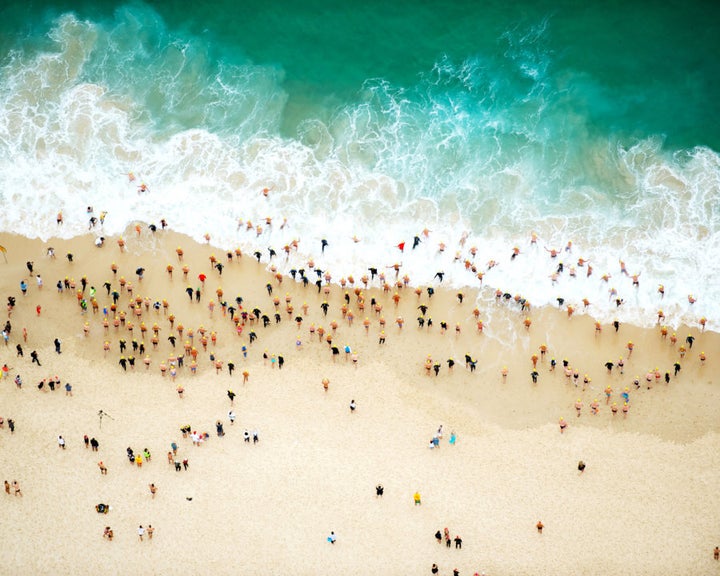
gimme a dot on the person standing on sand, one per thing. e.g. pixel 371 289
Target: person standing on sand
pixel 141 532
pixel 7 487
pixel 150 531
pixel 716 553
pixel 539 526
pixel 332 538
pixel 16 488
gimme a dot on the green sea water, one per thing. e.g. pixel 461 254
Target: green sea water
pixel 590 122
pixel 630 68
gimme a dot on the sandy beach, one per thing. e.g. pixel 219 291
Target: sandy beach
pixel 645 504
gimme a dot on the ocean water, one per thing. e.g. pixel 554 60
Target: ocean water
pixel 591 124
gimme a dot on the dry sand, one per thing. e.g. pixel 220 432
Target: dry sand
pixel 646 504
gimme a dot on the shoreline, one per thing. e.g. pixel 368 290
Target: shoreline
pixel 502 328
pixel 316 465
pixel 567 288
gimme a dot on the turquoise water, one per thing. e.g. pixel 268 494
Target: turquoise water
pixel 586 122
pixel 630 68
